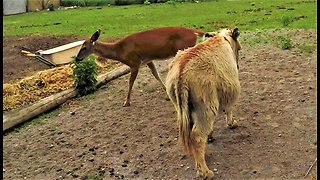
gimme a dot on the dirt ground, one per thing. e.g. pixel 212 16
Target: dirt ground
pixel 97 138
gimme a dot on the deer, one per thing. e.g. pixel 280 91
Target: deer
pixel 203 81
pixel 142 48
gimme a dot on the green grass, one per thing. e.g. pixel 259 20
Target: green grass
pixel 39 120
pixel 306 49
pixel 117 21
pixel 90 96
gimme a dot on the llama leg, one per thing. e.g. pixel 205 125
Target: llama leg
pixel 198 152
pixel 154 71
pixel 133 76
pixel 211 113
pixel 231 123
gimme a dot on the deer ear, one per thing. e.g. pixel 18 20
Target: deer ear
pixel 95 36
pixel 235 33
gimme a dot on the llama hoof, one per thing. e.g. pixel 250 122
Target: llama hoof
pixel 126 104
pixel 207 175
pixel 210 139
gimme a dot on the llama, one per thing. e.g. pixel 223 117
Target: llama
pixel 203 81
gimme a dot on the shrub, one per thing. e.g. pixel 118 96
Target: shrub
pixel 85 75
pixel 50 7
pixel 147 2
pixel 285 43
pixel 128 2
pixel 286 20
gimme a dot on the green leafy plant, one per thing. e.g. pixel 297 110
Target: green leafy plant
pixel 285 43
pixel 146 2
pixel 50 7
pixel 85 75
pixel 286 20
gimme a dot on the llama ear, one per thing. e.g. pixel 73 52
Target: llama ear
pixel 95 36
pixel 235 33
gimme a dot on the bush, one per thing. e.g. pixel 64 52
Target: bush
pixel 85 75
pixel 286 20
pixel 285 43
pixel 127 2
pixel 50 7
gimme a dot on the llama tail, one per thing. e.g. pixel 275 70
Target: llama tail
pixel 184 106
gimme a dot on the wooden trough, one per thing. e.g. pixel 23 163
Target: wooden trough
pixel 53 57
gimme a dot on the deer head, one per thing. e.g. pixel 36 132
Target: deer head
pixel 88 46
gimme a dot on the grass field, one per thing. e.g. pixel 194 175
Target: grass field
pixel 116 21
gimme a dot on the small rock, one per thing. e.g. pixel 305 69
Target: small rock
pixel 215 170
pixel 183 157
pixel 111 170
pixel 181 165
pixel 187 167
pixel 280 135
pixel 72 113
pixel 60 169
pixel 4 170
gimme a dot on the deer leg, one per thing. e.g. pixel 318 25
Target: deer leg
pixel 133 76
pixel 155 73
pixel 198 152
pixel 231 123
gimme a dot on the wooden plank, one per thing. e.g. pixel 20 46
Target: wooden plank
pixel 15 117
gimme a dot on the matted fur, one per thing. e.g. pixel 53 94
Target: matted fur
pixel 201 82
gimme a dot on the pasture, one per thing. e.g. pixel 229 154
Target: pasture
pixel 94 137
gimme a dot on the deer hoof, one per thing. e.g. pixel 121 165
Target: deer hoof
pixel 126 104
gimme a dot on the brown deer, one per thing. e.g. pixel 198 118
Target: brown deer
pixel 203 81
pixel 141 48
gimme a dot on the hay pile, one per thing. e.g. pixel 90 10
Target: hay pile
pixel 43 84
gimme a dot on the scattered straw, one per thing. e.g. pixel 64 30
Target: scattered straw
pixel 43 84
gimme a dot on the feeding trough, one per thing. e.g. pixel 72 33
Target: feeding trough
pixel 59 55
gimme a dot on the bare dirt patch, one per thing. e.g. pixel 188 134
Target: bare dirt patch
pixel 276 137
